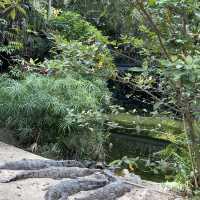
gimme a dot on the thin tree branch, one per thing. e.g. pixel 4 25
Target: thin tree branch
pixel 124 55
pixel 150 94
pixel 154 27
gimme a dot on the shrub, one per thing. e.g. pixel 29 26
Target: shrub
pixel 63 111
pixel 74 27
pixel 87 61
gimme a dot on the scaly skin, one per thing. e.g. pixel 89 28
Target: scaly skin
pixel 109 192
pixel 34 164
pixel 55 173
pixel 65 189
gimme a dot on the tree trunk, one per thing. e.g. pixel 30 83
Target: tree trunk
pixel 49 9
pixel 194 143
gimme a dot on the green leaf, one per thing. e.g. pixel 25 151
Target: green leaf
pixel 13 14
pixel 179 41
pixel 152 2
pixel 136 69
pixel 179 66
pixel 189 59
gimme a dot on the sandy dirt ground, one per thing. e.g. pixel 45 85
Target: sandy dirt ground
pixel 35 189
pixel 29 189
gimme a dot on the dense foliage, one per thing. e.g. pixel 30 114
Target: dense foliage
pixel 177 65
pixel 57 105
pixel 73 27
pixel 22 31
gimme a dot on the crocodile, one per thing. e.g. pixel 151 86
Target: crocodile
pixel 64 189
pixel 53 172
pixel 36 164
pixel 109 192
pixel 105 186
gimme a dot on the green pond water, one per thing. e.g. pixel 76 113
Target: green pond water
pixel 133 146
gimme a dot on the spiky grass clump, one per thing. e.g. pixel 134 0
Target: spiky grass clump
pixel 62 111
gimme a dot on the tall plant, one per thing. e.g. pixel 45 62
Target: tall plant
pixel 176 51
